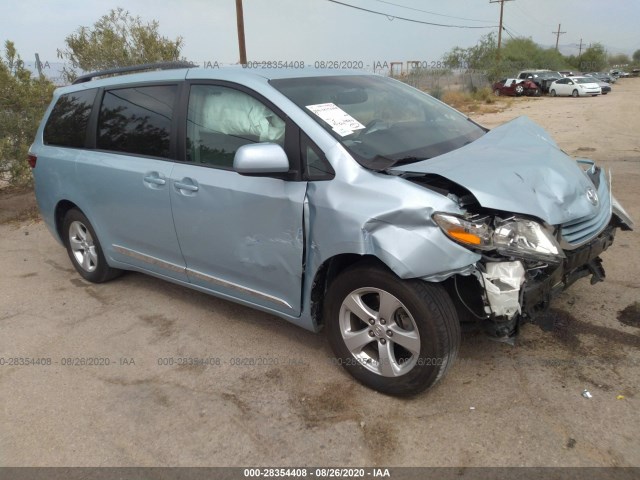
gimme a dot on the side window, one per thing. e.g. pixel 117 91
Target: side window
pixel 316 166
pixel 137 120
pixel 220 120
pixel 67 124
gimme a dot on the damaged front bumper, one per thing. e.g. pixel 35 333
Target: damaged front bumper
pixel 514 292
pixel 579 263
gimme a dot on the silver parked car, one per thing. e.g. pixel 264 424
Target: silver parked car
pixel 340 200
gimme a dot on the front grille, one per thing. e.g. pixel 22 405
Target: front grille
pixel 583 229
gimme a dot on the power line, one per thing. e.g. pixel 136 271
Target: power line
pixel 509 33
pixel 393 17
pixel 529 16
pixel 512 33
pixel 512 30
pixel 433 13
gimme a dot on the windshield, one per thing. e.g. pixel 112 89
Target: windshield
pixel 546 75
pixel 380 121
pixel 585 80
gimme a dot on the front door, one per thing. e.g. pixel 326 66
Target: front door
pixel 241 236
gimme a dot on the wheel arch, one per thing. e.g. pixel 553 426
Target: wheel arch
pixel 60 212
pixel 329 271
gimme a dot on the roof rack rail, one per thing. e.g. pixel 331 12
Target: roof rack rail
pixel 134 68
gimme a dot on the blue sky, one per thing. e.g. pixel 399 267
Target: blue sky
pixel 313 30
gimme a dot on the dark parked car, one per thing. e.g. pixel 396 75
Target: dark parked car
pixel 619 73
pixel 604 86
pixel 603 77
pixel 542 78
pixel 515 87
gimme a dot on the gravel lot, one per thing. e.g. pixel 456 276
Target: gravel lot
pixel 500 405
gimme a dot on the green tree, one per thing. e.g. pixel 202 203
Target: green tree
pixel 117 39
pixel 594 59
pixel 523 53
pixel 481 56
pixel 636 56
pixel 516 54
pixel 619 59
pixel 23 100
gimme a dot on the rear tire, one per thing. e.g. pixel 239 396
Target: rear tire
pixel 496 92
pixel 552 93
pixel 575 94
pixel 84 248
pixel 402 354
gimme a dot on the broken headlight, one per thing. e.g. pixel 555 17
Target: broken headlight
pixel 513 237
pixel 526 238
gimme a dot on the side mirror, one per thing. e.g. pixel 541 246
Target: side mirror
pixel 260 159
pixel 570 83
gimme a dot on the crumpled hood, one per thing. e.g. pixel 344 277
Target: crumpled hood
pixel 517 168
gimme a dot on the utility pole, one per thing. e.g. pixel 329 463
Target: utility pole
pixel 557 34
pixel 501 2
pixel 240 21
pixel 38 65
pixel 580 51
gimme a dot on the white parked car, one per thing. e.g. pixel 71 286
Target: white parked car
pixel 575 86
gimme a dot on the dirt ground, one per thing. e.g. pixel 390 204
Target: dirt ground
pixel 499 405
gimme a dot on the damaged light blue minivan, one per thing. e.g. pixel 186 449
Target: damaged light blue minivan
pixel 332 199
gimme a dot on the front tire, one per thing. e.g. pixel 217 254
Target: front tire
pixel 84 248
pixel 396 336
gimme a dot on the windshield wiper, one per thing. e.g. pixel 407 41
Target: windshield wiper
pixel 405 160
pixel 382 163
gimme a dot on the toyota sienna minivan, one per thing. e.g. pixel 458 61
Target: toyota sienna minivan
pixel 334 199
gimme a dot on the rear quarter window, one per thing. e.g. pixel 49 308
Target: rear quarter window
pixel 67 124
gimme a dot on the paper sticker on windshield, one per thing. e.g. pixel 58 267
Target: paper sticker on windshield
pixel 341 122
pixel 343 131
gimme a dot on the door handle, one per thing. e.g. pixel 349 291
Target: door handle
pixel 189 187
pixel 155 180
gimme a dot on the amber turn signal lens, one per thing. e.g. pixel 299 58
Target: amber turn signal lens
pixel 465 237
